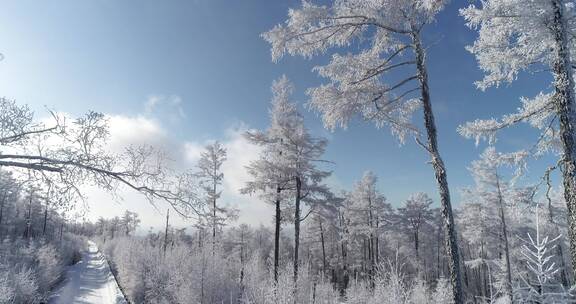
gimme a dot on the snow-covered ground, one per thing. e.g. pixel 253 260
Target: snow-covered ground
pixel 89 281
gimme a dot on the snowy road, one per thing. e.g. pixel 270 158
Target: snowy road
pixel 90 281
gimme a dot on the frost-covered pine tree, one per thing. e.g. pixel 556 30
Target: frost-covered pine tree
pixel 477 223
pixel 368 212
pixel 130 222
pixel 517 36
pixel 414 215
pixel 211 177
pixel 269 173
pixel 498 195
pixel 388 35
pixel 319 229
pixel 287 167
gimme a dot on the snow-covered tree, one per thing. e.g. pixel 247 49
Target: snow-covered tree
pixel 270 174
pixel 517 36
pixel 554 210
pixel 388 35
pixel 367 213
pixel 292 155
pixel 211 177
pixel 539 286
pixel 317 231
pixel 68 153
pixel 130 222
pixel 414 215
pixel 498 196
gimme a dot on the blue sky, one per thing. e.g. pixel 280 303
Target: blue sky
pixel 112 56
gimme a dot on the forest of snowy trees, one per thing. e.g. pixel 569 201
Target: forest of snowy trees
pixel 507 240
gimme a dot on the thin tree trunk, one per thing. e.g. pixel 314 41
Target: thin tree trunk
pixel 214 221
pixel 439 242
pixel 482 273
pixel 377 251
pixel 371 254
pixel 4 197
pixel 166 232
pixel 508 285
pixel 29 220
pixel 559 250
pixel 62 230
pixel 565 103
pixel 297 234
pixel 240 296
pixel 323 249
pixel 440 172
pixel 202 279
pixel 277 219
pixel 344 253
pixel 416 247
pixel 45 220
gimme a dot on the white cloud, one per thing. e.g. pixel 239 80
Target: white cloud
pixel 137 130
pixel 165 104
pixel 126 131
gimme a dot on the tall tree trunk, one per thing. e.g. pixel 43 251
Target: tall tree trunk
pixel 4 197
pixel 214 221
pixel 439 171
pixel 371 254
pixel 344 253
pixel 416 248
pixel 438 242
pixel 559 250
pixel 508 285
pixel 323 249
pixel 166 232
pixel 62 230
pixel 277 219
pixel 297 234
pixel 202 272
pixel 565 109
pixel 241 294
pixel 377 245
pixel 28 232
pixel 45 220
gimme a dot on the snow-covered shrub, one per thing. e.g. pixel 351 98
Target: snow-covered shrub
pixel 24 286
pixel 419 293
pixel 442 292
pixel 358 293
pixel 29 269
pixel 182 274
pixel 6 291
pixel 390 286
pixel 49 266
pixel 325 293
